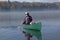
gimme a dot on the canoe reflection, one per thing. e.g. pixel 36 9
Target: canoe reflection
pixel 30 33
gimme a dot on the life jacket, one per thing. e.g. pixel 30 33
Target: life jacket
pixel 27 20
pixel 30 18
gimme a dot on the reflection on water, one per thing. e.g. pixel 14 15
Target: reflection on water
pixel 35 33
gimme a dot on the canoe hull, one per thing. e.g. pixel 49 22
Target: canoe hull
pixel 36 26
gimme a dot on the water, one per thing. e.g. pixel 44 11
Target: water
pixel 10 20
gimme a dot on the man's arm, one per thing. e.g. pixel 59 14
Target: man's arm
pixel 24 22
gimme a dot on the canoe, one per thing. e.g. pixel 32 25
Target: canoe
pixel 36 26
pixel 35 33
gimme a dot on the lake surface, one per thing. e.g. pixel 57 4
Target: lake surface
pixel 10 20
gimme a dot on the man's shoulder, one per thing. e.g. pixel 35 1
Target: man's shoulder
pixel 30 16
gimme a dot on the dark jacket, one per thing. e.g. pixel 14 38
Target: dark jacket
pixel 27 20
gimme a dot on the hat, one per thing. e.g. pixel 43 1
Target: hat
pixel 26 13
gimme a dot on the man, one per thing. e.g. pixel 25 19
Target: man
pixel 27 18
pixel 27 21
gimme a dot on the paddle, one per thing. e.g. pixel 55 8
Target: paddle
pixel 19 26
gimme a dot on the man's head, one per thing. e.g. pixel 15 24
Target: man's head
pixel 27 13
